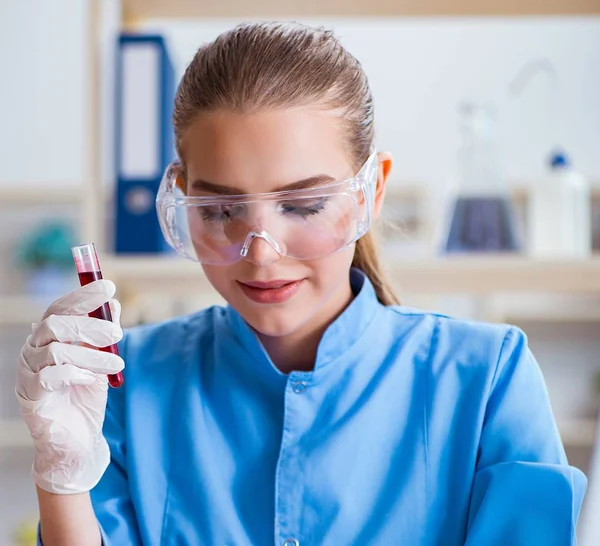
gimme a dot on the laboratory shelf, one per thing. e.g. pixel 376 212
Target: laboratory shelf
pixel 543 308
pixel 574 282
pixel 486 275
pixel 564 315
pixel 458 275
pixel 136 11
pixel 39 194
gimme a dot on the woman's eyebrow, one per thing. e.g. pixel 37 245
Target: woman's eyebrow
pixel 217 189
pixel 208 187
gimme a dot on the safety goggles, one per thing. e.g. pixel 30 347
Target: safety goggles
pixel 304 224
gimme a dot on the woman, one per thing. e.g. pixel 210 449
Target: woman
pixel 312 409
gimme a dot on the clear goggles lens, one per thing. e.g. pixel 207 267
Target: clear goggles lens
pixel 299 224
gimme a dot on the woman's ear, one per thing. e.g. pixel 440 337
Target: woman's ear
pixel 383 171
pixel 180 180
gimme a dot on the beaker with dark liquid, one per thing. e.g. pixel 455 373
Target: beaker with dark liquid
pixel 482 224
pixel 482 218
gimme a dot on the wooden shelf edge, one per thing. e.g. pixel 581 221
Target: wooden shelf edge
pixel 486 275
pixel 40 194
pixel 468 275
pixel 135 12
pixel 546 316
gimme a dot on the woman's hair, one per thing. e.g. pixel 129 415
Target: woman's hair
pixel 263 66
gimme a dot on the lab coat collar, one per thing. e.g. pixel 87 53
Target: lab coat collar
pixel 339 337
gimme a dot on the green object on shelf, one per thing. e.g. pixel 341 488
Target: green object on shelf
pixel 26 533
pixel 48 244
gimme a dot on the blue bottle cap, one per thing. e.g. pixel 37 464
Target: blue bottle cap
pixel 559 160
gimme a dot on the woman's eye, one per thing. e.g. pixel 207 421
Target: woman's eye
pixel 304 208
pixel 220 213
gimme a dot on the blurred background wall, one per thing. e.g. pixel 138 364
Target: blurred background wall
pixel 58 176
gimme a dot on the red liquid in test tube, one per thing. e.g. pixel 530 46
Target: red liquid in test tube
pixel 88 269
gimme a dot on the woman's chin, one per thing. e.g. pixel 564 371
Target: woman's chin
pixel 274 322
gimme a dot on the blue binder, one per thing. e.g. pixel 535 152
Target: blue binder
pixel 144 140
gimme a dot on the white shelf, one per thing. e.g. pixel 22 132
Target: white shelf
pixel 39 194
pixel 467 275
pixel 544 308
pixel 487 275
pixel 166 275
pixel 14 433
pixel 565 315
pixel 575 286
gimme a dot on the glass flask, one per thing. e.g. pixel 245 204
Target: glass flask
pixel 481 217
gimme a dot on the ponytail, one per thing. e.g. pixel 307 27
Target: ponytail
pixel 366 258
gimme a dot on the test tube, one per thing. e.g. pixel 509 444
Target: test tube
pixel 88 269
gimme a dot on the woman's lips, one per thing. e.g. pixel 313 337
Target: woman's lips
pixel 276 291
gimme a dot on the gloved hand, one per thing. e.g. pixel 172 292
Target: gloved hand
pixel 62 388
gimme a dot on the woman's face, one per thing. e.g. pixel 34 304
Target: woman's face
pixel 258 153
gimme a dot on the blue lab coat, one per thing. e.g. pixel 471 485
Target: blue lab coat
pixel 413 429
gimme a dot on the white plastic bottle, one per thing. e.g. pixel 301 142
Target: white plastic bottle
pixel 559 215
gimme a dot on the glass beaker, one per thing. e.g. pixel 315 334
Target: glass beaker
pixel 482 218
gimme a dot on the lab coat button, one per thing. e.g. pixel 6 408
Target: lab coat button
pixel 291 542
pixel 298 388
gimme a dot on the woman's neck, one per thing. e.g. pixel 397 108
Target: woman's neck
pixel 298 351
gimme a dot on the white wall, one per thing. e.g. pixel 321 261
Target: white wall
pixel 421 68
pixel 43 132
pixel 42 90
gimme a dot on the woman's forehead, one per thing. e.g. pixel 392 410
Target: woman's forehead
pixel 265 151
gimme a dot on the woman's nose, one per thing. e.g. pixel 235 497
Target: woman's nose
pixel 261 251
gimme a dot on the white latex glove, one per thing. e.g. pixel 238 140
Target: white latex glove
pixel 62 388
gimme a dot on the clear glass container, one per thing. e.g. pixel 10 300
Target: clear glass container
pixel 481 216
